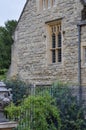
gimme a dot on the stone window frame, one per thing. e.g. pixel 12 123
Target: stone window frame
pixel 49 43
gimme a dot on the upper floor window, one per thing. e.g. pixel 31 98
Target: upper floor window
pixel 46 4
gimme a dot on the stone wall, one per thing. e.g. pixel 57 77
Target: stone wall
pixel 31 46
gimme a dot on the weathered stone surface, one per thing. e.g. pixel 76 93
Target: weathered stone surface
pixel 30 56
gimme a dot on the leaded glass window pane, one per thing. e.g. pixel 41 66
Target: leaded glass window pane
pixel 59 39
pixel 53 56
pixel 53 41
pixel 56 46
pixel 59 55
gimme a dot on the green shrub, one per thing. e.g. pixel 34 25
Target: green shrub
pixel 19 90
pixel 71 113
pixel 37 113
pixel 3 71
pixel 3 74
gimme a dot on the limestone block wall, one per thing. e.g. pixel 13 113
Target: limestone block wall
pixel 32 56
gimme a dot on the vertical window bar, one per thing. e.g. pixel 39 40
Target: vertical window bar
pixel 59 55
pixel 59 39
pixel 53 56
pixel 53 40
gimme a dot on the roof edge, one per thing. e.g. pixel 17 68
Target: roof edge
pixel 21 15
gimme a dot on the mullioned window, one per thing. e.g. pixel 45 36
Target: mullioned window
pixel 46 4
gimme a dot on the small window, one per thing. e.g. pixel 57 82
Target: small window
pixel 56 47
pixel 46 4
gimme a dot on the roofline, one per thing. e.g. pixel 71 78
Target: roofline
pixel 21 15
pixel 23 10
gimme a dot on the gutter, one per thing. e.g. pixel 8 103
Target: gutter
pixel 79 25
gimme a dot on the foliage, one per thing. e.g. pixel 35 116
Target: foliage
pixel 60 109
pixel 72 114
pixel 3 74
pixel 2 71
pixel 19 90
pixel 5 43
pixel 38 112
pixel 13 111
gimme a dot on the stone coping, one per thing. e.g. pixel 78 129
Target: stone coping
pixel 11 124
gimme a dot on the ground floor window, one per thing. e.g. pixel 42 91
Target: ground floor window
pixel 55 42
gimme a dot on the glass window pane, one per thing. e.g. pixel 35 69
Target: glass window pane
pixel 59 39
pixel 53 56
pixel 53 40
pixel 59 55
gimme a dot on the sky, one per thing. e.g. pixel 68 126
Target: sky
pixel 10 10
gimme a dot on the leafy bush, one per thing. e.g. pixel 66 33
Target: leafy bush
pixel 37 113
pixel 19 90
pixel 3 71
pixel 42 112
pixel 72 114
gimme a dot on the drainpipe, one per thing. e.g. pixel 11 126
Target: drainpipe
pixel 82 23
pixel 79 64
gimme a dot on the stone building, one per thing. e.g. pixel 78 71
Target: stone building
pixel 50 42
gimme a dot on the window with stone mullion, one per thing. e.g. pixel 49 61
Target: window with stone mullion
pixel 53 48
pixel 56 48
